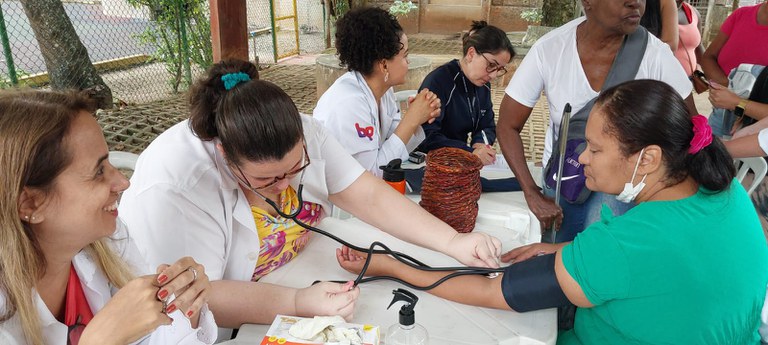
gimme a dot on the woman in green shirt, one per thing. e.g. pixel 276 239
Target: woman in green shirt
pixel 687 265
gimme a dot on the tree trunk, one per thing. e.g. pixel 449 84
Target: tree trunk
pixel 66 58
pixel 557 12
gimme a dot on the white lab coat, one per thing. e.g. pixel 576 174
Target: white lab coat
pixel 184 200
pixel 98 292
pixel 349 111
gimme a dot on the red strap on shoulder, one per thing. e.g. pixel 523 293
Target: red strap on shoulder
pixel 76 304
pixel 688 12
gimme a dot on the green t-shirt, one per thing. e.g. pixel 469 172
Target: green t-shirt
pixel 690 271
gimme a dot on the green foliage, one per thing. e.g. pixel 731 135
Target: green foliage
pixel 558 12
pixel 5 80
pixel 532 15
pixel 166 35
pixel 401 8
pixel 341 7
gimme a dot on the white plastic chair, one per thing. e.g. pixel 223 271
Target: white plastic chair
pixel 758 166
pixel 402 97
pixel 123 160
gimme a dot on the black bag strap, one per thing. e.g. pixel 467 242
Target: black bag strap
pixel 624 68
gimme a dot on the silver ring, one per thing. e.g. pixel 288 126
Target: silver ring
pixel 194 272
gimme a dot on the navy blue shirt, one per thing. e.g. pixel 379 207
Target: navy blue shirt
pixel 466 110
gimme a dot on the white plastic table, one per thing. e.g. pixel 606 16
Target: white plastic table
pixel 503 215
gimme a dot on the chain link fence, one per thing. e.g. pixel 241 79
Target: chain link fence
pixel 300 31
pixel 139 51
pixel 123 51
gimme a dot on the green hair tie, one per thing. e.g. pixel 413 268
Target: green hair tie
pixel 232 79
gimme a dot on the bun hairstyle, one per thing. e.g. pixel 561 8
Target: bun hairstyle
pixel 365 35
pixel 649 112
pixel 254 119
pixel 486 39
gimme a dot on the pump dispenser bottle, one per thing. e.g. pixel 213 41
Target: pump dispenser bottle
pixel 406 331
pixel 394 175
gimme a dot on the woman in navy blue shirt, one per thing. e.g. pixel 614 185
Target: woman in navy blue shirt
pixel 464 88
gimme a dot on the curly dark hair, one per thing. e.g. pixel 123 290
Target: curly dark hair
pixel 365 35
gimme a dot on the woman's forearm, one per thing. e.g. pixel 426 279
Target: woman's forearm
pixel 756 110
pixel 234 303
pixel 393 213
pixel 748 146
pixel 474 290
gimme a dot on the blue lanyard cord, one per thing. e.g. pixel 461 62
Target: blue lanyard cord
pixel 471 102
pixel 403 258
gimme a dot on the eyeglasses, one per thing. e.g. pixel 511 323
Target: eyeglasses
pixel 75 331
pixel 304 164
pixel 494 67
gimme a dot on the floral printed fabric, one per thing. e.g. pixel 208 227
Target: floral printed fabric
pixel 281 239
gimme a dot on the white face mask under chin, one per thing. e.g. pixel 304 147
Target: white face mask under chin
pixel 630 192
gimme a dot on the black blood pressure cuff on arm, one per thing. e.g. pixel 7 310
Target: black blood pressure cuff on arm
pixel 532 285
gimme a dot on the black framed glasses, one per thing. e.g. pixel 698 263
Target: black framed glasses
pixel 302 167
pixel 74 332
pixel 494 67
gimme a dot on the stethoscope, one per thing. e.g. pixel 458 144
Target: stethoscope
pixel 402 257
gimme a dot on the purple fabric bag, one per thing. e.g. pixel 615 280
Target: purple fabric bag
pixel 573 184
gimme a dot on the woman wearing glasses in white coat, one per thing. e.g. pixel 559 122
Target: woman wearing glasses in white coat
pixel 204 187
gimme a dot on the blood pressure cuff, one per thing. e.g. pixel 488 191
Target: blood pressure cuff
pixel 532 285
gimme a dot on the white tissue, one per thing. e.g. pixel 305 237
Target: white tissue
pixel 325 329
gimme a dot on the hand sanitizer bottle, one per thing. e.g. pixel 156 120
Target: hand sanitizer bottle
pixel 406 331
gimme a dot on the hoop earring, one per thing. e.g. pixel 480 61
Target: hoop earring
pixel 386 76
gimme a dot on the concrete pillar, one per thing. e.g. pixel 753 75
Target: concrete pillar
pixel 229 29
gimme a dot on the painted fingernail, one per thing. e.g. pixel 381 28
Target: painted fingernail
pixel 163 294
pixel 190 313
pixel 170 309
pixel 162 278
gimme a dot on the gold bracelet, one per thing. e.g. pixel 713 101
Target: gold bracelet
pixel 743 104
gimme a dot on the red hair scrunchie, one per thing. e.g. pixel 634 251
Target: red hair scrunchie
pixel 702 134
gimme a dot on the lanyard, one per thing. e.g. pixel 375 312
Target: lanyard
pixel 471 102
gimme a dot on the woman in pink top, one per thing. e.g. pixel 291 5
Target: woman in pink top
pixel 743 38
pixel 689 49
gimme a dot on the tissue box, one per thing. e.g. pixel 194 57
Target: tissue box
pixel 278 332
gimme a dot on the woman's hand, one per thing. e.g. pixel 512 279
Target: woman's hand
pixel 186 279
pixel 326 298
pixel 132 313
pixel 526 252
pixel 425 107
pixel 353 261
pixel 475 249
pixel 486 153
pixel 721 97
